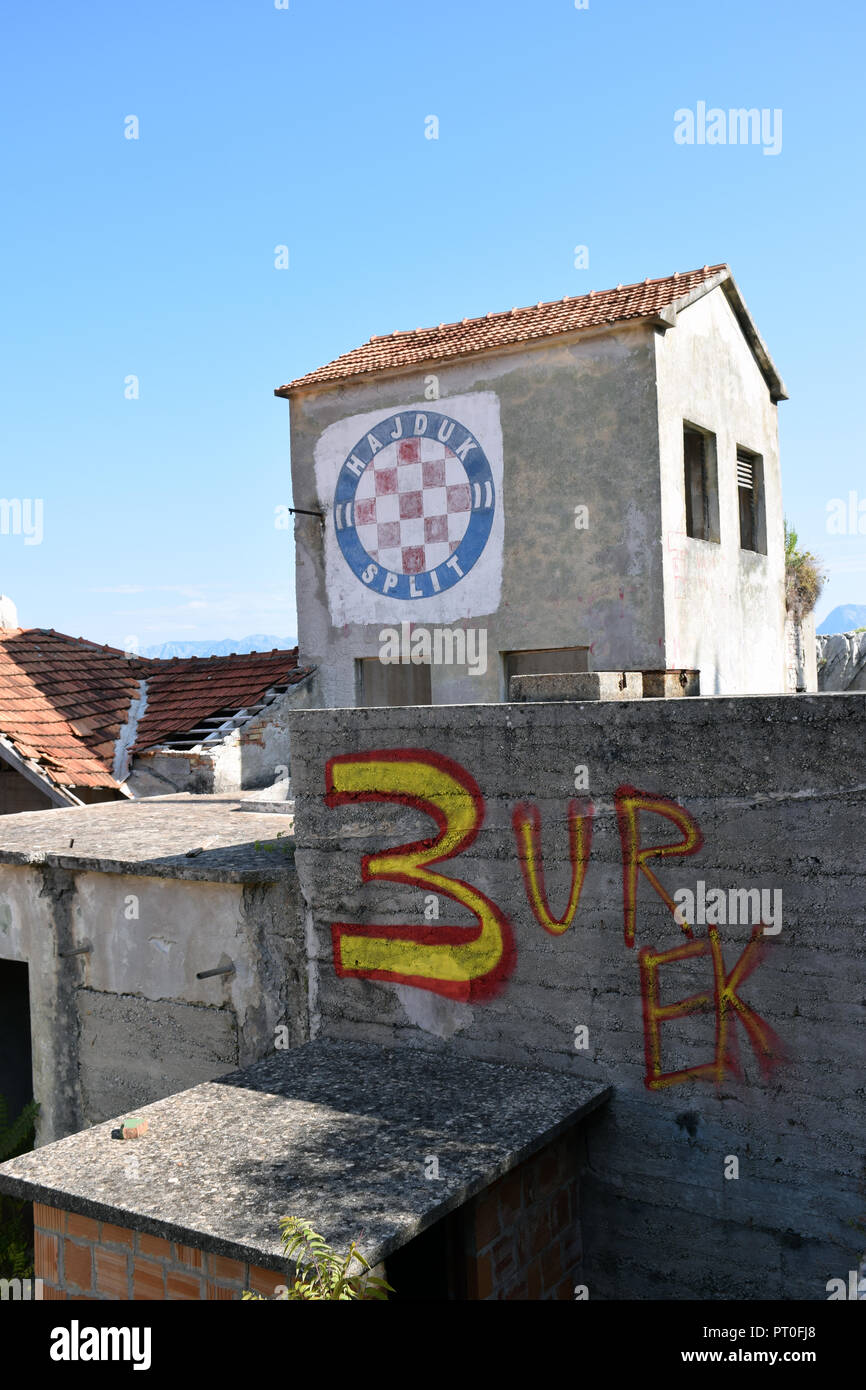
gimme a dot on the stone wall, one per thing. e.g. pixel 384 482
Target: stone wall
pixel 842 661
pixel 730 1161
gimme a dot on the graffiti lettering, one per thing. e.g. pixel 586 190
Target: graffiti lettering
pixel 629 804
pixel 464 963
pixel 473 963
pixel 726 1003
pixel 527 831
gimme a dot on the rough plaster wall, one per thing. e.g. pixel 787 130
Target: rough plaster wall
pixel 136 1050
pixel 129 1021
pixel 724 607
pixel 777 811
pixel 579 426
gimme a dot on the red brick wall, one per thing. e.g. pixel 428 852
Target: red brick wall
pixel 523 1233
pixel 83 1259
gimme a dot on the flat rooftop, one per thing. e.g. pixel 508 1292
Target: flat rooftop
pixel 337 1133
pixel 208 838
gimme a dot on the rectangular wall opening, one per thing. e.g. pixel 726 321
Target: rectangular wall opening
pixel 16 1090
pixel 701 484
pixel 545 661
pixel 380 684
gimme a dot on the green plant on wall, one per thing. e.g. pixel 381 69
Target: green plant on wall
pixel 320 1272
pixel 16 1217
pixel 804 577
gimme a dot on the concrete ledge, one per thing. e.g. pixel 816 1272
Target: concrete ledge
pixel 202 838
pixel 577 685
pixel 337 1133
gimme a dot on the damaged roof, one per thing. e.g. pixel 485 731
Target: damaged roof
pixel 647 299
pixel 72 711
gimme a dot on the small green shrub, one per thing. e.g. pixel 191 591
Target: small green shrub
pixel 323 1274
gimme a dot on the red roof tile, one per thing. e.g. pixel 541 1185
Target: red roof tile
pixel 64 700
pixel 403 349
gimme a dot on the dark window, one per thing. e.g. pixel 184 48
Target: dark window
pixel 702 497
pixel 750 495
pixel 383 684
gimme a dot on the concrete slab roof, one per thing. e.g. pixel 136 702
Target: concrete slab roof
pixel 206 838
pixel 336 1133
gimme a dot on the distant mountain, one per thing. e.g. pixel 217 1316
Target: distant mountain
pixel 846 618
pixel 257 642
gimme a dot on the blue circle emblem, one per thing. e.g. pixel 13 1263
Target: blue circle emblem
pixel 414 505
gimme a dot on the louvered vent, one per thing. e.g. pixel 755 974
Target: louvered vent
pixel 745 471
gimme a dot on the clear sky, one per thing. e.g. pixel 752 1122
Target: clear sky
pixel 305 127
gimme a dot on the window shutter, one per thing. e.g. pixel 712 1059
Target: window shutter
pixel 745 471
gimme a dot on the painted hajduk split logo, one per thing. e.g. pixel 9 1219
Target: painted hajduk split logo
pixel 414 505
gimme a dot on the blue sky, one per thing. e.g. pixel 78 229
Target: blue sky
pixel 305 126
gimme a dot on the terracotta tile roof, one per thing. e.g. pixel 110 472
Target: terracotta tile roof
pixel 62 703
pixel 64 700
pixel 185 690
pixel 403 349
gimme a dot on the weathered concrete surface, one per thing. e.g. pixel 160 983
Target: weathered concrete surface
pixel 777 787
pixel 842 661
pixel 578 685
pixel 177 836
pixel 136 1050
pixel 338 1133
pixel 116 931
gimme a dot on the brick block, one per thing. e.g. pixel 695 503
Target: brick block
pixel 155 1247
pixel 190 1256
pixel 231 1271
pixel 112 1273
pixel 264 1280
pixel 78 1265
pixel 47 1252
pixel 511 1194
pixel 182 1286
pixel 148 1279
pixel 52 1294
pixel 533 1279
pixel 117 1235
pixel 49 1218
pixel 82 1227
pixel 551 1267
pixel 487 1222
pixel 483 1277
pixel 220 1291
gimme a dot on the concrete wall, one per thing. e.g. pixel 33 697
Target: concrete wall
pixel 129 1022
pixel 724 607
pixel 776 789
pixel 578 422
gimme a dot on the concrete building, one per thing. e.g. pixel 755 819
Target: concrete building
pixel 590 484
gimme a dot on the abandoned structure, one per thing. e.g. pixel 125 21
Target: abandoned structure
pixel 591 484
pixel 80 723
pixel 608 1099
